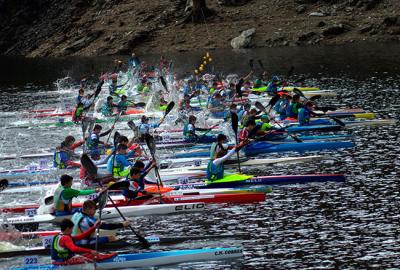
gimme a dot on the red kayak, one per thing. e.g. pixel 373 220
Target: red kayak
pixel 205 198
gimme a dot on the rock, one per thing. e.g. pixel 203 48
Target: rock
pixel 84 41
pixel 391 21
pixel 306 36
pixel 321 24
pixel 365 29
pixel 243 40
pixel 334 30
pixel 316 14
pixel 301 9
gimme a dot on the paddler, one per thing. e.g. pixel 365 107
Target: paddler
pixel 63 248
pixel 220 154
pixel 64 194
pixel 107 108
pixel 113 85
pixel 272 87
pixel 136 179
pixel 293 107
pixel 216 106
pixel 116 165
pixel 80 96
pixel 264 123
pixel 62 158
pixel 248 131
pixel 189 132
pixel 144 127
pixel 123 105
pixel 305 113
pixel 85 220
pixel 93 141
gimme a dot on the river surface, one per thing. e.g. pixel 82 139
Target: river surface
pixel 351 225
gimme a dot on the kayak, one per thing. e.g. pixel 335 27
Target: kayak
pixel 108 213
pixel 190 197
pixel 116 245
pixel 153 258
pixel 265 147
pixel 326 128
pixel 237 180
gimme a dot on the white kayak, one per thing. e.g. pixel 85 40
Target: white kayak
pixel 111 213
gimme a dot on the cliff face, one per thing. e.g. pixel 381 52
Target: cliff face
pixel 104 27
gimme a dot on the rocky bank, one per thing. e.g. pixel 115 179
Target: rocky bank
pixel 106 27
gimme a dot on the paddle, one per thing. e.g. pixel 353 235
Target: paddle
pixel 164 83
pixel 326 108
pixel 101 204
pixel 235 122
pixel 116 139
pixel 152 147
pixel 297 91
pixel 315 97
pixel 3 184
pixel 262 108
pixel 169 108
pixel 85 124
pixel 115 121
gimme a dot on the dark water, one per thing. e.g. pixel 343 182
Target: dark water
pixel 353 225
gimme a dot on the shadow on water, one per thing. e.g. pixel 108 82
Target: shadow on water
pixel 355 60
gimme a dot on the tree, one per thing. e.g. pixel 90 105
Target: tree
pixel 200 11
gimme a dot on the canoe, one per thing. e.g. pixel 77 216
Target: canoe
pixel 152 259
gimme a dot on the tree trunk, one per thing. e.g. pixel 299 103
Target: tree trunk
pixel 200 11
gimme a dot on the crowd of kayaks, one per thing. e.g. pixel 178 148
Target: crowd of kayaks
pixel 183 172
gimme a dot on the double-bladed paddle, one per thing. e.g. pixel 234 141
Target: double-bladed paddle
pixel 262 108
pixel 235 123
pixel 297 91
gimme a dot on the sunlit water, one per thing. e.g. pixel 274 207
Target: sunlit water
pixel 353 225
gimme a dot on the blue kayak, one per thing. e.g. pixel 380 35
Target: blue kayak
pixel 266 147
pixel 293 129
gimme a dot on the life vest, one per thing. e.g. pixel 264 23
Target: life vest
pixel 186 130
pixel 59 253
pixel 77 219
pixel 133 188
pixel 292 109
pixel 61 204
pixel 214 172
pixel 304 116
pixel 77 114
pixel 106 110
pixel 58 161
pixel 92 143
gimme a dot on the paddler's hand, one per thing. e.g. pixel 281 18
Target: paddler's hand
pixel 94 253
pixel 112 127
pixel 126 223
pixel 98 190
pixel 97 223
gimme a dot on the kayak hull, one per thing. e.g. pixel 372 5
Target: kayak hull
pixel 150 259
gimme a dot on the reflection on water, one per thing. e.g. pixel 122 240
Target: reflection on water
pixel 354 225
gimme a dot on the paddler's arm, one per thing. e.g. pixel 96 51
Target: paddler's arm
pixel 221 160
pixel 86 233
pixel 70 193
pixel 107 132
pixel 67 242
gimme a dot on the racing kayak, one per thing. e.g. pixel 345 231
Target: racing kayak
pixel 154 258
pixel 236 180
pixel 265 147
pixel 108 213
pixel 190 197
pixel 116 245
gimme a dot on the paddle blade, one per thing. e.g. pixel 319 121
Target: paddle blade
pixel 235 122
pixel 102 200
pixel 150 144
pixel 337 121
pixel 49 200
pixel 164 83
pixel 98 89
pixel 3 184
pixel 315 97
pixel 298 92
pixel 273 101
pixel 119 185
pixel 116 139
pixel 169 108
pixel 326 108
pixel 88 165
pixel 131 125
pixel 259 106
pixel 239 90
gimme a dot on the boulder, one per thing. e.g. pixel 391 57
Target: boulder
pixel 334 30
pixel 244 39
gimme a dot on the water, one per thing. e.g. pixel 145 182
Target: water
pixel 354 225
